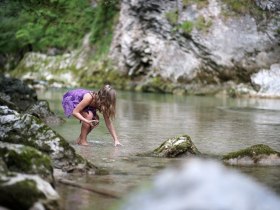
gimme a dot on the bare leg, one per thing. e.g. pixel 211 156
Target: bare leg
pixel 85 129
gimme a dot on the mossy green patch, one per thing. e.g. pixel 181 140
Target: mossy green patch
pixel 172 17
pixel 253 151
pixel 20 195
pixel 158 85
pixel 25 159
pixel 103 72
pixel 244 7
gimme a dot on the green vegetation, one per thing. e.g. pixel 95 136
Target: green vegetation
pixel 187 26
pixel 38 25
pixel 172 17
pixel 244 7
pixel 102 72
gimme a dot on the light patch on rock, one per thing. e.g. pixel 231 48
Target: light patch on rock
pixel 268 80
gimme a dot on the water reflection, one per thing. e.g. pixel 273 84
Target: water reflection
pixel 144 121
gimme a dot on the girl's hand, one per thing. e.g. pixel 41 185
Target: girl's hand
pixel 93 123
pixel 117 144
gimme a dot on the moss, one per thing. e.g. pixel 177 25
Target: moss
pixel 158 85
pixel 202 25
pixel 26 159
pixel 103 72
pixel 244 7
pixel 21 195
pixel 187 26
pixel 253 151
pixel 171 149
pixel 172 17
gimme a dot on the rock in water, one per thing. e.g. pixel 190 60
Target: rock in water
pixel 259 154
pixel 176 147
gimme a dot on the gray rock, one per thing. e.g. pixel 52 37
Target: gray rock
pixel 42 110
pixel 18 92
pixel 25 159
pixel 31 131
pixel 204 185
pixel 270 5
pixel 26 192
pixel 223 48
pixel 179 146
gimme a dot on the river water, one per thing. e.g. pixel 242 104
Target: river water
pixel 216 125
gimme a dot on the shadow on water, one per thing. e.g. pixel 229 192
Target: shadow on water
pixel 216 125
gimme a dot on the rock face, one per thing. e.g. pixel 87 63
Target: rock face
pixel 21 191
pixel 255 155
pixel 179 146
pixel 24 159
pixel 194 43
pixel 42 110
pixel 16 92
pixel 29 130
pixel 271 5
pixel 202 184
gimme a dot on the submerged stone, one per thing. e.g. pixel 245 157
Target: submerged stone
pixel 31 131
pixel 179 146
pixel 25 159
pixel 21 191
pixel 259 154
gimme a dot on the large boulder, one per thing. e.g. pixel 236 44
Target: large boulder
pixel 26 192
pixel 25 159
pixel 28 130
pixel 179 146
pixel 202 184
pixel 42 110
pixel 259 154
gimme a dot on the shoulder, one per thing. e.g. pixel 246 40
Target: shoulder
pixel 88 96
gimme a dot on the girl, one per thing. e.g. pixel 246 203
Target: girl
pixel 83 105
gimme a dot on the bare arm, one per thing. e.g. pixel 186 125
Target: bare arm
pixel 111 129
pixel 80 107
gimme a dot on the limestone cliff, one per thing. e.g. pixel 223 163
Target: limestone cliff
pixel 198 43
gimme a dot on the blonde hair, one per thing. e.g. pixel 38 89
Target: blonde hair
pixel 107 101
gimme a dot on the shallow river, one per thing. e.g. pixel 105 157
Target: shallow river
pixel 216 126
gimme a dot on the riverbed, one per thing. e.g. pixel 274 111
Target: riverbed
pixel 216 125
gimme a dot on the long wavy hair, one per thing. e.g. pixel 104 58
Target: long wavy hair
pixel 106 101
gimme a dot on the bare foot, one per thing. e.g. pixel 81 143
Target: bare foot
pixel 83 143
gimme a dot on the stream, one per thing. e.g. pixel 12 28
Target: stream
pixel 216 125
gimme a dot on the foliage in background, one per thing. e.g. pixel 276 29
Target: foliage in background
pixel 39 25
pixel 106 14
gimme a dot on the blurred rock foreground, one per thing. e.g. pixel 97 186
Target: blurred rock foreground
pixel 205 185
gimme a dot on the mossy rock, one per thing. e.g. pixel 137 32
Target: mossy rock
pixel 21 191
pixel 25 159
pixel 28 130
pixel 259 154
pixel 179 146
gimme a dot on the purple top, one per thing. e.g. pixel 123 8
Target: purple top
pixel 72 98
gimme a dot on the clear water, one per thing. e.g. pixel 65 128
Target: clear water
pixel 216 125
